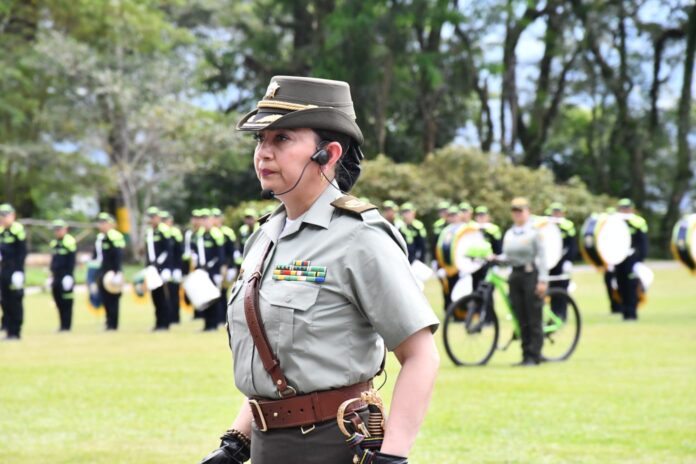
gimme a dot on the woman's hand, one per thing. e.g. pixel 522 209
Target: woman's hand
pixel 541 288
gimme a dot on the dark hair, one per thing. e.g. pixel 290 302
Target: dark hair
pixel 348 166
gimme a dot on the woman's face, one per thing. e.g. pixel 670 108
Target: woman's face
pixel 520 215
pixel 281 155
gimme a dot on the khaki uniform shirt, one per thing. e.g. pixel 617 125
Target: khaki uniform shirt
pixel 329 332
pixel 523 246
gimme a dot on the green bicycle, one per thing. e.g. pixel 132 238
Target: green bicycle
pixel 471 327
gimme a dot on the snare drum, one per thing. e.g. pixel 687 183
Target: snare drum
pixel 200 290
pixel 684 241
pixel 605 240
pixel 552 240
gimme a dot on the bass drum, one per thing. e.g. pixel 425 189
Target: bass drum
pixel 552 239
pixel 456 246
pixel 684 241
pixel 605 240
pixel 200 290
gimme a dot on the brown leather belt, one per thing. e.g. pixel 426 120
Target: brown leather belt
pixel 302 410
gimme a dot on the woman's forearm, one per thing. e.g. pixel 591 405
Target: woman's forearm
pixel 243 420
pixel 412 392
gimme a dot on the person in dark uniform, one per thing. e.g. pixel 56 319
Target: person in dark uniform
pixel 64 248
pixel 173 286
pixel 556 211
pixel 439 224
pixel 626 277
pixel 491 232
pixel 414 233
pixel 231 250
pixel 158 253
pixel 189 259
pixel 245 230
pixel 522 249
pixel 108 251
pixel 13 252
pixel 465 212
pixel 210 249
pixel 610 281
pixel 329 280
pixel 390 210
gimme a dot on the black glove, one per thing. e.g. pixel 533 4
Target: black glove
pixel 232 450
pixel 364 449
pixel 377 457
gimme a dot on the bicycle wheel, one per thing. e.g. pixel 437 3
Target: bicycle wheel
pixel 562 330
pixel 470 331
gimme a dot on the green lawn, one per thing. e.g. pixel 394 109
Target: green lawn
pixel 627 395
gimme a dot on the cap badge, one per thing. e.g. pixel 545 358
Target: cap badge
pixel 272 89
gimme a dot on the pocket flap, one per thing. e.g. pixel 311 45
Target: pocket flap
pixel 296 295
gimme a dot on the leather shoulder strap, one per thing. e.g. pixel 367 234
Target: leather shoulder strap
pixel 258 334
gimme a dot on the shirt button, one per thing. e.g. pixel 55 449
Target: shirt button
pixel 288 298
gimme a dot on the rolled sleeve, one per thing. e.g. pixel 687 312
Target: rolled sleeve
pixel 383 287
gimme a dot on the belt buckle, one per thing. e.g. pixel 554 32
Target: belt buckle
pixel 263 426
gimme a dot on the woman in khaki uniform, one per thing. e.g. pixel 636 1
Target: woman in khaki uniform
pixel 323 289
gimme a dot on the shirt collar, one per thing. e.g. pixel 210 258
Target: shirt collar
pixel 319 214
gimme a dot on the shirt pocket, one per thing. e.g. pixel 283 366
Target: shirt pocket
pixel 290 306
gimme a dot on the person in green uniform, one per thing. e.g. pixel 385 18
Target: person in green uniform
pixel 108 252
pixel 249 226
pixel 523 249
pixel 439 224
pixel 64 249
pixel 493 235
pixel 327 281
pixel 173 286
pixel 556 212
pixel 465 212
pixel 626 277
pixel 210 250
pixel 231 250
pixel 158 248
pixel 13 252
pixel 390 211
pixel 413 232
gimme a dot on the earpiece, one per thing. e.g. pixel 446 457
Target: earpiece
pixel 321 157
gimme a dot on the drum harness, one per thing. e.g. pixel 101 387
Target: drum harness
pixel 306 410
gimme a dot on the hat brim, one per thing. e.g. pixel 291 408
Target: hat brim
pixel 311 118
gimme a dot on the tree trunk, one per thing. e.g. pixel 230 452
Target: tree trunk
pixel 683 173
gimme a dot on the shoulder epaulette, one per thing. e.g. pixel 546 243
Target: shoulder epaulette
pixel 17 229
pixel 352 204
pixel 116 238
pixel 69 242
pixel 264 218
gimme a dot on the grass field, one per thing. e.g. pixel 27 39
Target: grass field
pixel 627 395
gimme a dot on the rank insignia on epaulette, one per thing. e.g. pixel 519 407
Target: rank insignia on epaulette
pixel 300 271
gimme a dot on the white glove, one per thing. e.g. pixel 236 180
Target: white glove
pixel 166 274
pixel 217 278
pixel 236 255
pixel 434 265
pixel 17 280
pixel 67 283
pixel 176 275
pixel 231 274
pixel 567 267
pixel 442 274
pixel 49 282
pixel 194 260
pixel 118 279
pixel 162 258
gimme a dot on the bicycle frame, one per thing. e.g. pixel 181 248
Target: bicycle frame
pixel 499 282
